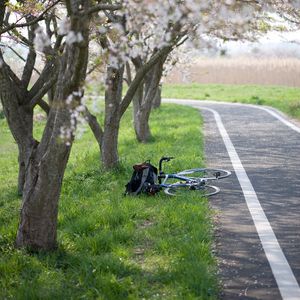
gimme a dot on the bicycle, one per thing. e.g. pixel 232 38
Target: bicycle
pixel 198 179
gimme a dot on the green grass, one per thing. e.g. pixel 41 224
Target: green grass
pixel 286 99
pixel 110 246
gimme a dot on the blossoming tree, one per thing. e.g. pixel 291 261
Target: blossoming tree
pixel 45 161
pixel 17 96
pixel 142 33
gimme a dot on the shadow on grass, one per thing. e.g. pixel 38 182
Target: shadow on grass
pixel 64 274
pixel 98 230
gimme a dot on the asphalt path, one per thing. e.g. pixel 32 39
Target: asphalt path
pixel 258 209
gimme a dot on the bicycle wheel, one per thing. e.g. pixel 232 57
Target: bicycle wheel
pixel 205 173
pixel 185 190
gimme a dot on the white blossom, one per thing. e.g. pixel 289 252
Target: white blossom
pixel 73 37
pixel 77 120
pixel 229 2
pixel 295 4
pixel 113 61
pixel 41 39
pixel 69 99
pixel 153 24
pixel 64 26
pixel 102 29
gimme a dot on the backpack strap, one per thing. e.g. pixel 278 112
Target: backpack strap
pixel 144 178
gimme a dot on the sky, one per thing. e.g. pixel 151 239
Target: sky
pixel 283 44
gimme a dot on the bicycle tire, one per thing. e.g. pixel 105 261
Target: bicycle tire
pixel 202 190
pixel 205 173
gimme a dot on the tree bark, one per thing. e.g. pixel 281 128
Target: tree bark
pixel 113 98
pixel 141 114
pixel 20 122
pixel 15 98
pixel 48 160
pixel 141 125
pixel 144 101
pixel 19 116
pixel 95 126
pixel 109 147
pixel 38 224
pixel 157 98
pixel 25 150
pixel 142 131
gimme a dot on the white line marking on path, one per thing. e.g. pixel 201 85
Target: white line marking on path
pixel 281 269
pixel 266 109
pixel 280 118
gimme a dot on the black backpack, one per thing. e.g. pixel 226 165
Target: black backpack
pixel 143 180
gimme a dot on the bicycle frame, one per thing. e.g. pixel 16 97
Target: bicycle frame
pixel 165 177
pixel 184 180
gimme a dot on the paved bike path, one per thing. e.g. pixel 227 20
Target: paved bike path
pixel 269 152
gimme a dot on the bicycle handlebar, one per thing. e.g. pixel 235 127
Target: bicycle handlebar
pixel 164 158
pixel 167 158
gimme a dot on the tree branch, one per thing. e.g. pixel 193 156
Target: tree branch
pixel 30 23
pixel 22 38
pixel 42 91
pixel 40 85
pixel 128 73
pixel 99 7
pixel 44 106
pixel 31 58
pixel 94 125
pixel 2 12
pixel 184 39
pixel 11 73
pixel 140 75
pixel 18 55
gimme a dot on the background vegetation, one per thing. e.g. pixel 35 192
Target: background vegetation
pixel 264 69
pixel 110 246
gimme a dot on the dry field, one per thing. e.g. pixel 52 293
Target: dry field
pixel 241 70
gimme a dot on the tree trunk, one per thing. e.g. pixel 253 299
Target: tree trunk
pixel 95 126
pixel 16 97
pixel 113 98
pixel 141 126
pixel 141 114
pixel 144 101
pixel 38 224
pixel 109 147
pixel 136 103
pixel 25 150
pixel 157 98
pixel 48 160
pixel 20 121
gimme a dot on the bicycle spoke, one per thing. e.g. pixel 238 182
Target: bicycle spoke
pixel 186 190
pixel 205 173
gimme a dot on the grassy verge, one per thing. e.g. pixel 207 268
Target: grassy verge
pixel 286 99
pixel 110 246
